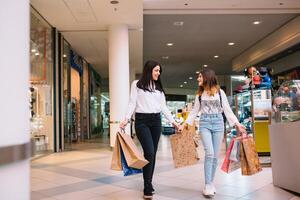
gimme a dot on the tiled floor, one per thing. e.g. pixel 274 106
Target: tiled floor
pixel 85 174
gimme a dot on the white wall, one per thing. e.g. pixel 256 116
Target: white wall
pixel 14 108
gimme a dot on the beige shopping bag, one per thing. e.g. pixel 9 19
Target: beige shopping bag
pixel 184 148
pixel 132 155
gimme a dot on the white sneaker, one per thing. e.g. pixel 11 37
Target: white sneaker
pixel 208 190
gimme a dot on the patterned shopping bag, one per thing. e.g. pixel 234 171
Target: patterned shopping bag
pixel 249 158
pixel 184 148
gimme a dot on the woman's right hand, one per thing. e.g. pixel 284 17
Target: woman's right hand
pixel 123 124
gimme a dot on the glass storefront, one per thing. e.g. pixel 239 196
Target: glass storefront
pixel 75 130
pixel 41 84
pixel 96 118
pixel 66 96
pixel 85 102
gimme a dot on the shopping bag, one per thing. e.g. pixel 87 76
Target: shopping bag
pixel 133 157
pixel 229 165
pixel 249 158
pixel 235 152
pixel 184 148
pixel 128 170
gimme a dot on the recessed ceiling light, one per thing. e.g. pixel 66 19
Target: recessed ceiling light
pixel 165 57
pixel 33 50
pixel 216 56
pixel 170 44
pixel 37 53
pixel 205 65
pixel 256 22
pixel 231 43
pixel 190 78
pixel 185 82
pixel 181 85
pixel 114 2
pixel 197 72
pixel 178 23
pixel 64 55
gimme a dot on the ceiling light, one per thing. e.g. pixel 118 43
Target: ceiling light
pixel 181 85
pixel 64 55
pixel 170 44
pixel 205 65
pixel 178 23
pixel 33 50
pixel 231 43
pixel 190 78
pixel 216 56
pixel 256 22
pixel 37 53
pixel 114 2
pixel 197 72
pixel 165 57
pixel 185 82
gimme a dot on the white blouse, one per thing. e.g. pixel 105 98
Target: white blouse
pixel 212 105
pixel 147 102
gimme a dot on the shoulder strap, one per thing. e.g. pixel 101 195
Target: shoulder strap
pixel 199 97
pixel 220 98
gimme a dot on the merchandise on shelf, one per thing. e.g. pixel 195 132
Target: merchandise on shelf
pixel 286 103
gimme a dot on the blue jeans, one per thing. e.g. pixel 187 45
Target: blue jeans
pixel 211 128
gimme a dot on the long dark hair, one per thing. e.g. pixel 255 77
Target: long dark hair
pixel 145 80
pixel 210 83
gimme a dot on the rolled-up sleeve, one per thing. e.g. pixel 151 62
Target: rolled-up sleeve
pixel 193 114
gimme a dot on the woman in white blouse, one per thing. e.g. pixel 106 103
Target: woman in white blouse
pixel 147 100
pixel 211 102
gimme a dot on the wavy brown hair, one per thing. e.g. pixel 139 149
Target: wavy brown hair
pixel 210 83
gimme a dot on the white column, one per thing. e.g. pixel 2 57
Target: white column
pixel 14 106
pixel 118 45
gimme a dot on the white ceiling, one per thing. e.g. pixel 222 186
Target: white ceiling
pixel 220 6
pixel 206 31
pixel 85 23
pixel 200 38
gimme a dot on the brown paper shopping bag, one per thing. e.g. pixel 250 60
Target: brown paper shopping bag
pixel 249 158
pixel 116 156
pixel 184 148
pixel 133 156
pixel 131 153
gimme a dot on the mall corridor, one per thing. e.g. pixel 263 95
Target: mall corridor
pixel 73 72
pixel 86 175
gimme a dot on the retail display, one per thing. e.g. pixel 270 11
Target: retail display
pixel 257 78
pixel 286 103
pixel 253 110
pixel 284 132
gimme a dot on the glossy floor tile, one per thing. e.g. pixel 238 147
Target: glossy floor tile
pixel 84 174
